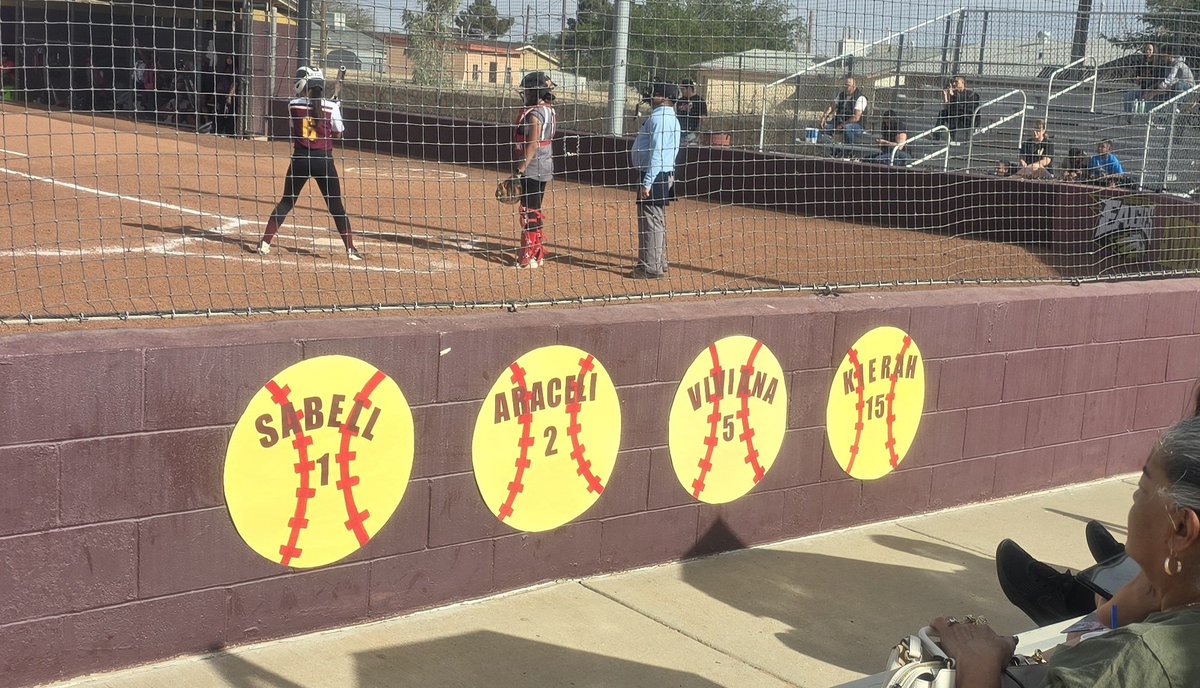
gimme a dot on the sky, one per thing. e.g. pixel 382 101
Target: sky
pixel 869 20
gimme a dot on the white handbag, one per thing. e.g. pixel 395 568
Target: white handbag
pixel 918 662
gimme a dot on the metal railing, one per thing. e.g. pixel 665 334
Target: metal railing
pixel 1174 105
pixel 1003 120
pixel 1094 78
pixel 944 151
pixel 762 129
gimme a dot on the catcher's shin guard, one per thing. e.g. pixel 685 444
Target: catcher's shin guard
pixel 531 218
pixel 539 251
pixel 529 257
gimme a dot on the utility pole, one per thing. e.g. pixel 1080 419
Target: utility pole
pixel 616 87
pixel 562 32
pixel 324 32
pixel 808 31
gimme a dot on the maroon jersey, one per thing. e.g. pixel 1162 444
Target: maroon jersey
pixel 315 133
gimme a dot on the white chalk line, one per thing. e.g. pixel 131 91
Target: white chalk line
pixel 404 173
pixel 13 152
pixel 171 247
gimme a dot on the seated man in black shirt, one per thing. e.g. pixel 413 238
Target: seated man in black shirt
pixel 845 114
pixel 958 109
pixel 893 134
pixel 691 110
pixel 1037 154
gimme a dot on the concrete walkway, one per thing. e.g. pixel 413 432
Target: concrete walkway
pixel 817 611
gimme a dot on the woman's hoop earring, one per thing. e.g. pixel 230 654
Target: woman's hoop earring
pixel 1172 569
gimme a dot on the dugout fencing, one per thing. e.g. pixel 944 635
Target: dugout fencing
pixel 144 147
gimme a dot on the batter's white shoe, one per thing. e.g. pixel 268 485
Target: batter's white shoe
pixel 263 248
pixel 353 254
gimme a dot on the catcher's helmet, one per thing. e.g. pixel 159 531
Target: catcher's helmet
pixel 308 77
pixel 538 82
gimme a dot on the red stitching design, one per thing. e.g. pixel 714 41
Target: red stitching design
pixel 575 390
pixel 891 396
pixel 303 468
pixel 714 419
pixel 346 482
pixel 747 435
pixel 526 420
pixel 858 427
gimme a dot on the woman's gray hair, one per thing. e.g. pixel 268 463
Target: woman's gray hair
pixel 1179 450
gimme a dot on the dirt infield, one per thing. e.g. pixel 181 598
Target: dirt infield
pixel 112 216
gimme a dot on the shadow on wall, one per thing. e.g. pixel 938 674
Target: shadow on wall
pixel 845 611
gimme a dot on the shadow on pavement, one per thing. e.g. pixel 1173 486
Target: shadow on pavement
pixel 486 658
pixel 848 611
pixel 240 673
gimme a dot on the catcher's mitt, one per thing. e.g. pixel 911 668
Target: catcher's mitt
pixel 509 190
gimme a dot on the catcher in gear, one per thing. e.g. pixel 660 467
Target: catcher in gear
pixel 535 163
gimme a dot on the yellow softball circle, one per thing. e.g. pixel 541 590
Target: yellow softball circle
pixel 728 419
pixel 546 438
pixel 318 461
pixel 875 403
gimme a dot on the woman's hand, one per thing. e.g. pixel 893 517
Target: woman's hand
pixel 980 654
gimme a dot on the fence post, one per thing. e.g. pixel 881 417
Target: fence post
pixel 983 40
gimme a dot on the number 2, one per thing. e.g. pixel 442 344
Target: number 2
pixel 551 434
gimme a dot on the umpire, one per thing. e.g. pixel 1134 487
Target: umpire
pixel 653 154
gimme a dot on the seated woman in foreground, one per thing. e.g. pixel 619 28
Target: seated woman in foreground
pixel 1155 647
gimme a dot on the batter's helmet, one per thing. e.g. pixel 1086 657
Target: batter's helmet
pixel 539 82
pixel 308 77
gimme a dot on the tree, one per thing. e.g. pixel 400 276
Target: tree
pixel 482 19
pixel 358 18
pixel 431 40
pixel 666 37
pixel 1172 25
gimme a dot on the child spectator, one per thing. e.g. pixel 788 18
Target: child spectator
pixel 1077 166
pixel 1104 168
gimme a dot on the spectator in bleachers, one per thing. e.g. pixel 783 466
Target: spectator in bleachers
pixel 1037 154
pixel 959 104
pixel 1104 168
pixel 893 134
pixel 1004 168
pixel 1077 166
pixel 1148 74
pixel 1178 80
pixel 846 113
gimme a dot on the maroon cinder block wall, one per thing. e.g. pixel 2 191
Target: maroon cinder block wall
pixel 116 548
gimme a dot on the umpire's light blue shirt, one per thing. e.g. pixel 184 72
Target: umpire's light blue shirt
pixel 657 144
